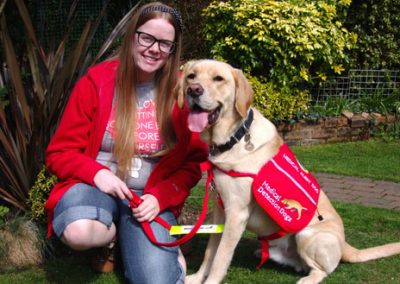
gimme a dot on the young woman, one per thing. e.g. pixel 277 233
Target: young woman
pixel 122 131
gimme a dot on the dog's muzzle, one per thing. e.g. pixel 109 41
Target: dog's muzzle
pixel 194 90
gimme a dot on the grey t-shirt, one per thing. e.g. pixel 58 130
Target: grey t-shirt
pixel 142 164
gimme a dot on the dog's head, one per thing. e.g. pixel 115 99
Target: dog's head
pixel 213 89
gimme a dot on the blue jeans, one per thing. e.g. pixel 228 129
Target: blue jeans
pixel 143 261
pixel 83 201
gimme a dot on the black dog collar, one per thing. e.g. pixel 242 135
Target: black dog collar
pixel 242 131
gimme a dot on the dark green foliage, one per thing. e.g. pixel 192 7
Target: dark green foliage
pixel 40 80
pixel 376 23
pixel 3 213
pixel 288 42
pixel 277 103
pixel 39 194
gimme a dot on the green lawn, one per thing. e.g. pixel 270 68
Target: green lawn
pixel 373 226
pixel 364 226
pixel 374 159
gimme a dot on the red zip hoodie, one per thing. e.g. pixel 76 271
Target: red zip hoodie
pixel 72 151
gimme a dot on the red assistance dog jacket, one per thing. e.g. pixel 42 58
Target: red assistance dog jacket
pixel 286 191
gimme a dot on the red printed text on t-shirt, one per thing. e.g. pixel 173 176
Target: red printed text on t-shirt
pixel 147 132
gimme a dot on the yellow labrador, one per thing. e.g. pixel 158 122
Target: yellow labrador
pixel 219 97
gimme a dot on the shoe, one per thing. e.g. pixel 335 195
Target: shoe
pixel 103 260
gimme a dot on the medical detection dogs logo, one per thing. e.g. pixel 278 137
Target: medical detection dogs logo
pixel 286 191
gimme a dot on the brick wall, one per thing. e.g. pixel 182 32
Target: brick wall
pixel 347 127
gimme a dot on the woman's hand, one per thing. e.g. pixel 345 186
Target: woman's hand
pixel 109 183
pixel 147 210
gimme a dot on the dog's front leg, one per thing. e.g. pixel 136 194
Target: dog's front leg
pixel 235 224
pixel 218 217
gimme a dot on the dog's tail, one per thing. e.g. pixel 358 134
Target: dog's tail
pixel 353 255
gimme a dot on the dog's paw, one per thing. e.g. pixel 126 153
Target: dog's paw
pixel 312 279
pixel 209 281
pixel 304 281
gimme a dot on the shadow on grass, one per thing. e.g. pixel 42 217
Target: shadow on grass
pixel 75 268
pixel 364 226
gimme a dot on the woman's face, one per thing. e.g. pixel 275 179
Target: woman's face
pixel 149 57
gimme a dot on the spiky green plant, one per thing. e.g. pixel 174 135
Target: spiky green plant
pixel 37 98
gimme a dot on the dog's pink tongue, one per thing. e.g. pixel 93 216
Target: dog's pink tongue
pixel 197 121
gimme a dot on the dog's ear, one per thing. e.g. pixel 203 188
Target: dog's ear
pixel 244 93
pixel 180 92
pixel 180 97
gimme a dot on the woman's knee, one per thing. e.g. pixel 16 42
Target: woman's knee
pixel 84 234
pixel 77 234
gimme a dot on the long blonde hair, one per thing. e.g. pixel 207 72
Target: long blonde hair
pixel 165 82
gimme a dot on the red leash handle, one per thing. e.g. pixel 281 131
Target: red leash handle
pixel 136 201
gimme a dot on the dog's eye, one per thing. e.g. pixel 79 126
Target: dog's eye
pixel 218 78
pixel 191 76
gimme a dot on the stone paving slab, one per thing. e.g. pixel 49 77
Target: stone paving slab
pixel 369 192
pixel 383 194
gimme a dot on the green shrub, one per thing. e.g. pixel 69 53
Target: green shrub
pixel 376 23
pixel 389 132
pixel 333 106
pixel 3 213
pixel 288 42
pixel 380 102
pixel 39 194
pixel 38 86
pixel 277 104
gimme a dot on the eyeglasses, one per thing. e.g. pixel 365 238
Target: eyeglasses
pixel 148 40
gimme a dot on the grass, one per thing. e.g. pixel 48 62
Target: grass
pixel 383 226
pixel 364 227
pixel 373 159
pixel 68 269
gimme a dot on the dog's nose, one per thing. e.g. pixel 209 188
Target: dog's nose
pixel 195 90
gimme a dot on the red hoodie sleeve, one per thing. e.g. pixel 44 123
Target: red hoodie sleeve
pixel 67 153
pixel 173 191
